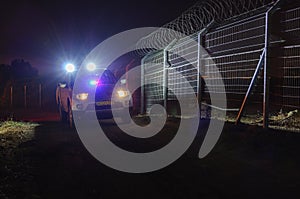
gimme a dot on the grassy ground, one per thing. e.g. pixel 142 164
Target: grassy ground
pixel 16 172
pixel 48 160
pixel 288 121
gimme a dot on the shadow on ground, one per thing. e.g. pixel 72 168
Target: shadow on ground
pixel 247 162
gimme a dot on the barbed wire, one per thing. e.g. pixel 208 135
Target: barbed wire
pixel 195 19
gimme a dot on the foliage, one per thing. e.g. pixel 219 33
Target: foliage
pixel 19 69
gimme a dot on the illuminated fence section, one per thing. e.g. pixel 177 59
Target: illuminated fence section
pixel 291 58
pixel 183 66
pixel 153 79
pixel 235 49
pixel 291 78
pixel 238 49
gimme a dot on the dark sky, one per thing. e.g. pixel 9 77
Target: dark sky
pixel 46 32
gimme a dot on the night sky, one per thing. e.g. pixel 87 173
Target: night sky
pixel 47 32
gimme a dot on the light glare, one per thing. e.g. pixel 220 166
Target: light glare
pixel 70 68
pixel 91 66
pixel 94 82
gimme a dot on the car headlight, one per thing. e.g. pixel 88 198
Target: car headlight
pixel 122 93
pixel 91 66
pixel 82 96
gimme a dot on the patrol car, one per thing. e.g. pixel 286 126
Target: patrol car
pixel 69 100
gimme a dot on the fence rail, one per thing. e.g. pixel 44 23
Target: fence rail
pixel 28 95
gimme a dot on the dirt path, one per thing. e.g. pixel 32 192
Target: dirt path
pixel 247 162
pixel 66 169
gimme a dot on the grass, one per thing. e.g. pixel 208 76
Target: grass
pixel 287 121
pixel 13 133
pixel 10 126
pixel 16 142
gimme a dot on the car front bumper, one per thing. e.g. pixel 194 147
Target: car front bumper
pixel 103 110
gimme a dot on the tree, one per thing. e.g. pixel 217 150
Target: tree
pixel 18 70
pixel 21 69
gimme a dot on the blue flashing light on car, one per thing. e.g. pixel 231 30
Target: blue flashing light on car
pixel 95 82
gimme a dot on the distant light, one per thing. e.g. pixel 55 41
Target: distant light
pixel 70 68
pixel 123 81
pixel 91 67
pixel 94 82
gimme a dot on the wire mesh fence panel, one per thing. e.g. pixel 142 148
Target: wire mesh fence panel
pixel 291 23
pixel 291 58
pixel 235 48
pixel 182 71
pixel 153 79
pixel 183 68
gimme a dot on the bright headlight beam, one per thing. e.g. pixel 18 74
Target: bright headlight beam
pixel 70 68
pixel 91 66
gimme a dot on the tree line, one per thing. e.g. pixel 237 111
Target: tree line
pixel 17 70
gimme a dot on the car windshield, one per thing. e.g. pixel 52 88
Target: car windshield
pixel 107 78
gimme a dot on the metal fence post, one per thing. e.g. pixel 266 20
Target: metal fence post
pixel 199 70
pixel 266 72
pixel 167 64
pixel 266 76
pixel 251 85
pixel 143 84
pixel 165 80
pixel 200 65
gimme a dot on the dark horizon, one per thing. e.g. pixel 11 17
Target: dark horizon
pixel 45 33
